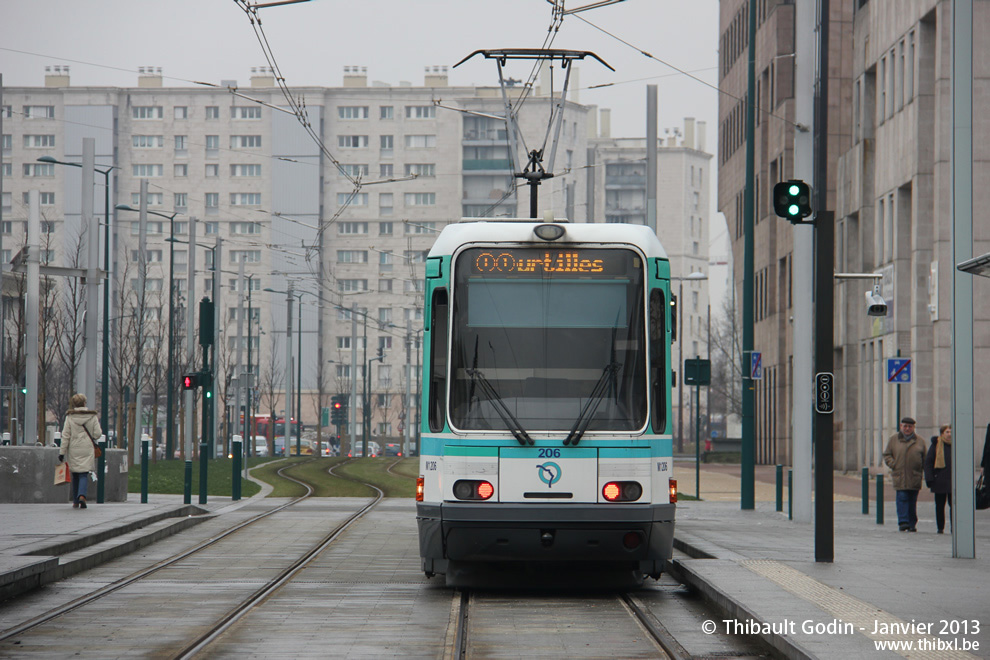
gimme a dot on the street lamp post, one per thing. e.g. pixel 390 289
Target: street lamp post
pixel 169 399
pixel 104 394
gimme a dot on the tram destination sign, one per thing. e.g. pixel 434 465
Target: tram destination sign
pixel 574 262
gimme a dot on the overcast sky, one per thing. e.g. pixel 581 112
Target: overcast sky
pixel 105 41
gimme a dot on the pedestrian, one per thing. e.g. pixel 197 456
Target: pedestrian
pixel 905 456
pixel 79 436
pixel 938 473
pixel 708 450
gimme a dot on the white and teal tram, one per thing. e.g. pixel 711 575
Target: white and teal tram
pixel 546 432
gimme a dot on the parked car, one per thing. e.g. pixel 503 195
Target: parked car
pixel 393 449
pixel 260 445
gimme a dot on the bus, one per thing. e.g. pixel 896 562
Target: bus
pixel 263 424
pixel 546 434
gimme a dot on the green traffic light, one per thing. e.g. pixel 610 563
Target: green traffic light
pixel 24 390
pixel 793 209
pixel 209 394
pixel 794 190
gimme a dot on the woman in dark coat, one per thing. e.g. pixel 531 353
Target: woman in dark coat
pixel 938 473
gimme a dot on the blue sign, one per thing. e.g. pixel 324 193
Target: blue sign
pixel 756 365
pixel 899 370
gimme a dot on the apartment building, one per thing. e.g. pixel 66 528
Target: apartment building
pixel 341 208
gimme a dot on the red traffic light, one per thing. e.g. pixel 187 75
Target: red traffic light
pixel 190 381
pixel 337 405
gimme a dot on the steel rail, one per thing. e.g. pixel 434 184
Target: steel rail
pixel 280 580
pixel 140 575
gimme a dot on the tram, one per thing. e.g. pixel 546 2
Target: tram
pixel 546 403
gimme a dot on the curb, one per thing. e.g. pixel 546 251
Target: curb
pixel 783 645
pixel 61 560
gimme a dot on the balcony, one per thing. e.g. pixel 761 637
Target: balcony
pixel 496 164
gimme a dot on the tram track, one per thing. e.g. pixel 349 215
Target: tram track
pixel 247 604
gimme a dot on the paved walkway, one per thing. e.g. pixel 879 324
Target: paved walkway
pixel 761 567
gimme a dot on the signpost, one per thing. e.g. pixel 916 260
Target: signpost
pixel 755 365
pixel 899 373
pixel 697 372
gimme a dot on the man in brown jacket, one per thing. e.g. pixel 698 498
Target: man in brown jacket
pixel 905 456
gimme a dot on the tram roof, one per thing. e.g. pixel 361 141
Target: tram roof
pixel 520 230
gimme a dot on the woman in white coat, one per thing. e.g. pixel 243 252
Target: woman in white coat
pixel 79 436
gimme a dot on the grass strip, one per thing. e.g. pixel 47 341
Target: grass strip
pixel 168 477
pixel 374 471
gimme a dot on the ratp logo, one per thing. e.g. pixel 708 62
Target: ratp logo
pixel 549 473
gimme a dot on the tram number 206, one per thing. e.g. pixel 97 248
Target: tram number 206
pixel 549 453
pixel 661 466
pixel 431 466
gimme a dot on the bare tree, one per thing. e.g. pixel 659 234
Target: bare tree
pixel 270 384
pixel 725 392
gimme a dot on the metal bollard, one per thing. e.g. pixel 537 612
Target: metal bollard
pixel 204 452
pixel 879 499
pixel 780 488
pixel 866 491
pixel 235 489
pixel 101 472
pixel 187 483
pixel 144 472
pixel 790 494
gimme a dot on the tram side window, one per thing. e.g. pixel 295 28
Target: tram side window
pixel 658 364
pixel 438 360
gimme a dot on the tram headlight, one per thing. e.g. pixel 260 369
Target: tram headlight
pixel 471 489
pixel 622 491
pixel 549 232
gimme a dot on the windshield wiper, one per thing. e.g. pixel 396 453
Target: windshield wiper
pixel 597 394
pixel 511 423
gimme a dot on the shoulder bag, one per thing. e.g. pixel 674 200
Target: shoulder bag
pixel 97 452
pixel 982 493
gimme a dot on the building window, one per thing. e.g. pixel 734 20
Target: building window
pixel 212 170
pixel 352 256
pixel 7 142
pixel 353 285
pixel 245 112
pixel 247 256
pixel 153 228
pixel 39 141
pixel 386 144
pixel 245 199
pixel 212 228
pixel 213 112
pixel 7 169
pixel 181 112
pixel 245 170
pixel 352 112
pixel 39 169
pixel 354 171
pixel 352 227
pixel 181 142
pixel 44 199
pixel 180 170
pixel 147 170
pixel 427 170
pixel 154 199
pixel 212 200
pixel 385 286
pixel 147 141
pixel 384 315
pixel 245 141
pixel 421 112
pixel 39 112
pixel 421 141
pixel 386 112
pixel 352 141
pixel 146 112
pixel 420 199
pixel 181 200
pixel 245 228
pixel 386 170
pixel 385 207
pixel 356 199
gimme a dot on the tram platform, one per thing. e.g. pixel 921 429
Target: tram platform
pixel 43 543
pixel 883 586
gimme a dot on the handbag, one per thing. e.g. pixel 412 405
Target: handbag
pixel 97 452
pixel 62 474
pixel 982 493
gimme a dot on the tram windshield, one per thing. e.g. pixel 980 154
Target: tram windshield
pixel 542 332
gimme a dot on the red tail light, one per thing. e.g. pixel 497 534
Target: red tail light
pixel 485 490
pixel 419 489
pixel 622 491
pixel 611 491
pixel 673 491
pixel 471 489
